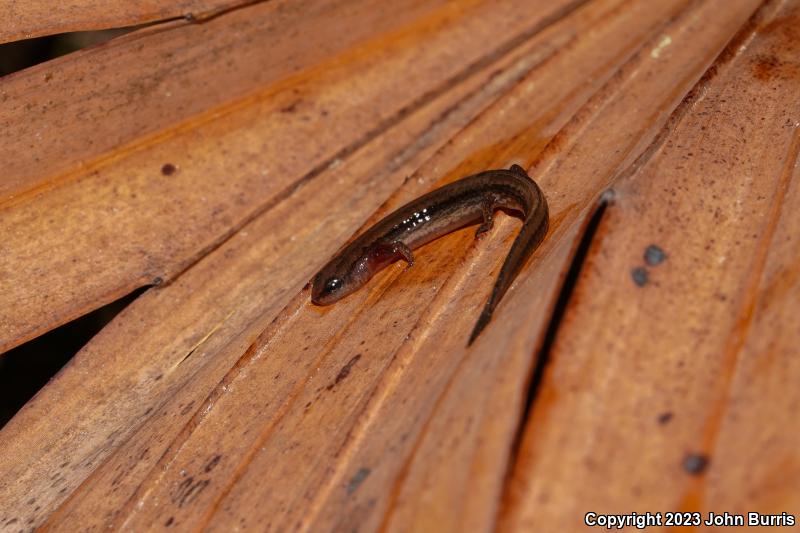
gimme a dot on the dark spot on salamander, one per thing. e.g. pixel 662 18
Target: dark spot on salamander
pixel 639 275
pixel 169 521
pixel 168 169
pixel 653 255
pixel 357 479
pixel 345 371
pixel 695 463
pixel 664 417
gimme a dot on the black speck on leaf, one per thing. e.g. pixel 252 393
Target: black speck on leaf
pixel 653 255
pixel 695 463
pixel 639 275
pixel 357 479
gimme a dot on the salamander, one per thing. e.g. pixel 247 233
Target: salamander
pixel 464 202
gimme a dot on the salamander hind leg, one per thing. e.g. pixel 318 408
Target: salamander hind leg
pixel 488 219
pixel 516 169
pixel 401 248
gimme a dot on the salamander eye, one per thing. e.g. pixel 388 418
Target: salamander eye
pixel 333 284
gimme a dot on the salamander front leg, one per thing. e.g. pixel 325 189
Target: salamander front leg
pixel 389 250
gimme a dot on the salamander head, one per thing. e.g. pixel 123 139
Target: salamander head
pixel 351 269
pixel 326 289
pixel 334 282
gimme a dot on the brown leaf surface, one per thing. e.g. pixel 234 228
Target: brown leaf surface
pixel 224 399
pixel 687 359
pixel 35 18
pixel 92 231
pixel 233 297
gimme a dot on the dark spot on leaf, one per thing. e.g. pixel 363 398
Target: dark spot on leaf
pixel 766 67
pixel 186 410
pixel 664 417
pixel 345 371
pixel 357 479
pixel 168 169
pixel 639 275
pixel 212 463
pixel 653 255
pixel 695 463
pixel 291 108
pixel 188 490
